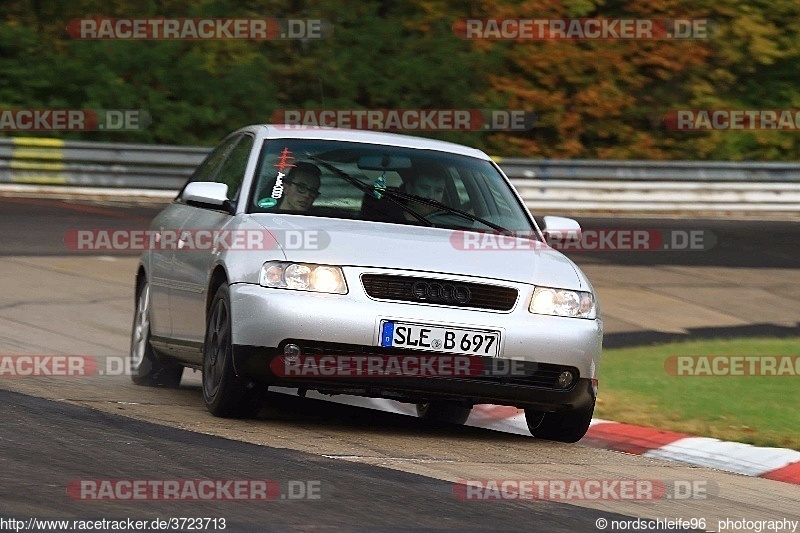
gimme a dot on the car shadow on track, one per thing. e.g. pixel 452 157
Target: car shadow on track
pixel 305 412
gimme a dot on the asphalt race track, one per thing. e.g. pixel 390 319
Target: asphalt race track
pixel 374 470
pixel 81 443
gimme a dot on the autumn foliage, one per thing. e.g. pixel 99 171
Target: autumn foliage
pixel 593 98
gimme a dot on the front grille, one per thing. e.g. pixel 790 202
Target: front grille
pixel 439 291
pixel 525 374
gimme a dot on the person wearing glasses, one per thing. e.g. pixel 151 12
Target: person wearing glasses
pixel 301 187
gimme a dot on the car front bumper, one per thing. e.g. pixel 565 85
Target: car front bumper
pixel 265 319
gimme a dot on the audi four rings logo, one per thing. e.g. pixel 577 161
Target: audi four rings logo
pixel 441 292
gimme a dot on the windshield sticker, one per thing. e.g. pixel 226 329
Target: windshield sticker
pixel 267 202
pixel 284 162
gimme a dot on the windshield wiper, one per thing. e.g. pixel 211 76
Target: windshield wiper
pixel 441 206
pixel 366 188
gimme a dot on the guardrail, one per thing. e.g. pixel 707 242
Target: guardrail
pixel 708 187
pixel 94 164
pixel 546 185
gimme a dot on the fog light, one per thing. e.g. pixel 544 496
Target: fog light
pixel 564 379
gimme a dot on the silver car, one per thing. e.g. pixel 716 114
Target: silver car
pixel 371 264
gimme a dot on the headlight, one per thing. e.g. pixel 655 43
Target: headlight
pixel 303 277
pixel 563 302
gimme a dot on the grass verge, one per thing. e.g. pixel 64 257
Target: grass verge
pixel 636 388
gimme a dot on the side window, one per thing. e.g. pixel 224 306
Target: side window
pixel 208 168
pixel 231 173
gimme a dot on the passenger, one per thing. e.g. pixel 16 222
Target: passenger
pixel 428 185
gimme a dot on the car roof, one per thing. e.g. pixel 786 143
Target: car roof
pixel 271 131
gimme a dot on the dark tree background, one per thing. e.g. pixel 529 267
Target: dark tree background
pixel 594 99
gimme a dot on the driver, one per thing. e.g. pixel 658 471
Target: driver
pixel 428 185
pixel 301 187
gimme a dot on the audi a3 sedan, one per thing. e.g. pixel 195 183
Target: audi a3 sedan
pixel 370 264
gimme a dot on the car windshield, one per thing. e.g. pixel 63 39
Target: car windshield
pixel 384 184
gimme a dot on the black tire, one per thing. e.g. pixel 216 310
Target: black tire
pixel 443 412
pixel 146 367
pixel 568 426
pixel 225 394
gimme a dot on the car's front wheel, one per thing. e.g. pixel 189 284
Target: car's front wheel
pixel 225 394
pixel 443 411
pixel 146 367
pixel 568 426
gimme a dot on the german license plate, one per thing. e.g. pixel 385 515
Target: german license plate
pixel 440 339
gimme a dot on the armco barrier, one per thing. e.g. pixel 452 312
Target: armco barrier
pixel 709 187
pixel 92 164
pixel 546 185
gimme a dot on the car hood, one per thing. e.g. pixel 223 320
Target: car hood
pixel 383 245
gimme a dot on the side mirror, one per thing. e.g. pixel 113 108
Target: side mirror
pixel 207 194
pixel 561 229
